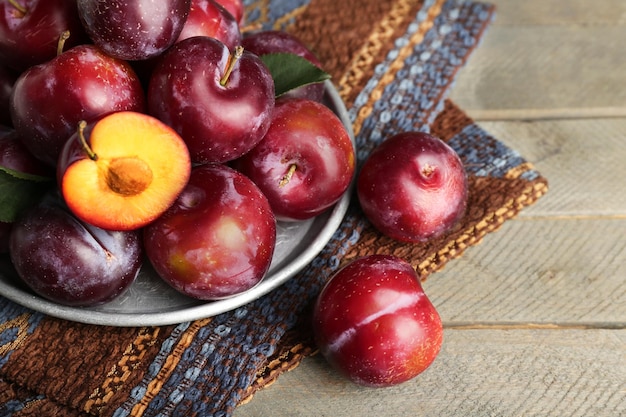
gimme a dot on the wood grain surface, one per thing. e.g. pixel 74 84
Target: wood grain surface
pixel 535 315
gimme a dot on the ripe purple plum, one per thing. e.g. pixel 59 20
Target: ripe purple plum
pixel 15 156
pixel 413 187
pixel 71 262
pixel 133 29
pixel 217 239
pixel 30 30
pixel 219 101
pixel 305 162
pixel 82 83
pixel 374 323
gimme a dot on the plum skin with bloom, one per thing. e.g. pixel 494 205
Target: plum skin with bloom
pixel 71 262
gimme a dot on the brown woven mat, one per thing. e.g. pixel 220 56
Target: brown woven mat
pixel 393 62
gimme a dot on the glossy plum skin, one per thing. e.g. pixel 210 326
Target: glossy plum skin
pixel 32 38
pixel 373 322
pixel 413 187
pixel 71 262
pixel 133 29
pixel 209 18
pixel 278 41
pixel 309 137
pixel 90 83
pixel 218 238
pixel 218 122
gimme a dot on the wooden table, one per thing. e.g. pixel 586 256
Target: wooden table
pixel 535 316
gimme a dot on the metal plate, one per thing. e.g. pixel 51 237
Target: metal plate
pixel 151 302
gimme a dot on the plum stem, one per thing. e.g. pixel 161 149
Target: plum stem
pixel 21 9
pixel 287 177
pixel 81 135
pixel 61 44
pixel 234 57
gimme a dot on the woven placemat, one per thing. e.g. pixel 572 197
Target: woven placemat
pixel 393 62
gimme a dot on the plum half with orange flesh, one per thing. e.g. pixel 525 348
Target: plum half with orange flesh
pixel 123 171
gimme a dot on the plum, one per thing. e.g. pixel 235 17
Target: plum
pixel 413 187
pixel 132 29
pixel 220 101
pixel 30 31
pixel 83 83
pixel 305 162
pixel 374 323
pixel 71 262
pixel 217 239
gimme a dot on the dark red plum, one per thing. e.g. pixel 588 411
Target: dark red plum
pixel 219 101
pixel 30 30
pixel 305 162
pixel 413 187
pixel 83 83
pixel 209 18
pixel 278 41
pixel 218 238
pixel 70 262
pixel 373 322
pixel 133 29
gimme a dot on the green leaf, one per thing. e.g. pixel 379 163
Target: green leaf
pixel 17 194
pixel 291 71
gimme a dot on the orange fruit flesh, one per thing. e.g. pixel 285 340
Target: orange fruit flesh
pixel 142 165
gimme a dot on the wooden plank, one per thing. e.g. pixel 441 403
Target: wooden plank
pixel 583 161
pixel 546 68
pixel 553 61
pixel 555 272
pixel 556 12
pixel 477 373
